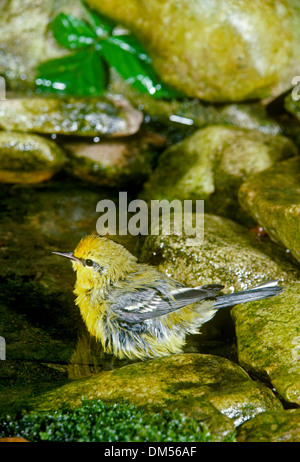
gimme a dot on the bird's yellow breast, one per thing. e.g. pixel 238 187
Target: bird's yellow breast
pixel 92 309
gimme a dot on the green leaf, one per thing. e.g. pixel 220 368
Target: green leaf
pixel 72 33
pixel 85 73
pixel 134 65
pixel 101 25
pixel 129 44
pixel 80 74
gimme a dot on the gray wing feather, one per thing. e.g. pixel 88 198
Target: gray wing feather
pixel 148 303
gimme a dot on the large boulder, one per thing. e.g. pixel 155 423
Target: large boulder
pixel 230 52
pixel 212 163
pixel 198 385
pixel 229 255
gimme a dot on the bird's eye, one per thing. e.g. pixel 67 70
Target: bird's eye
pixel 89 262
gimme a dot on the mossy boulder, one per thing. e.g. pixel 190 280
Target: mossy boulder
pixel 272 199
pixel 28 158
pixel 70 116
pixel 230 52
pixel 272 426
pixel 176 382
pixel 229 254
pixel 212 163
pixel 268 341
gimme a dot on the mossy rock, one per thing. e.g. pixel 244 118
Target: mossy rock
pixel 229 254
pixel 176 382
pixel 272 199
pixel 88 117
pixel 212 163
pixel 232 52
pixel 186 115
pixel 268 341
pixel 27 158
pixel 272 426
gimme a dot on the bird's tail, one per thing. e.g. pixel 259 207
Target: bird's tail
pixel 266 290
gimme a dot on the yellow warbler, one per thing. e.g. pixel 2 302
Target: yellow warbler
pixel 134 310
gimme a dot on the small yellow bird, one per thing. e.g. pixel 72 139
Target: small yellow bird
pixel 134 310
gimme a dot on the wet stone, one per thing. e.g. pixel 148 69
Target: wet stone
pixel 28 158
pixel 186 115
pixel 212 163
pixel 249 51
pixel 272 426
pixel 87 117
pixel 177 381
pixel 272 199
pixel 114 163
pixel 268 341
pixel 229 254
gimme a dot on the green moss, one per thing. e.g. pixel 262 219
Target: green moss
pixel 96 421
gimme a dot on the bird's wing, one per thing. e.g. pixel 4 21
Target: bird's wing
pixel 146 303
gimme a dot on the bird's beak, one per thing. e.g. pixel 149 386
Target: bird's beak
pixel 69 255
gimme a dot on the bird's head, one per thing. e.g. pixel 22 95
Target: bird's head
pixel 99 261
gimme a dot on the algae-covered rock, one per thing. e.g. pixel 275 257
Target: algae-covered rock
pixel 177 381
pixel 28 158
pixel 70 116
pixel 272 426
pixel 229 255
pixel 212 163
pixel 268 340
pixel 188 114
pixel 229 51
pixel 272 199
pixel 26 40
pixel 114 163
